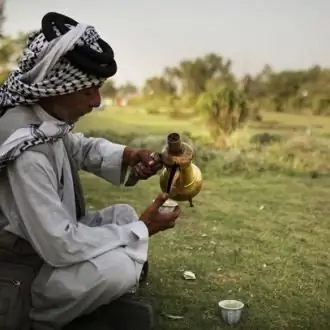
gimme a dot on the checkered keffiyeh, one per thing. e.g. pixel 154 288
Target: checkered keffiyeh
pixel 42 72
pixel 27 137
pixel 61 77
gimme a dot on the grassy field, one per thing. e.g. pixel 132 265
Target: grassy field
pixel 262 238
pixel 129 120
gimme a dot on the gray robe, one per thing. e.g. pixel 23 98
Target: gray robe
pixel 89 263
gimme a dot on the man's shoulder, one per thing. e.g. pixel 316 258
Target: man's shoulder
pixel 45 149
pixel 20 113
pixel 39 158
pixel 16 118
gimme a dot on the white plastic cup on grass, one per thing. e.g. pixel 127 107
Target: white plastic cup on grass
pixel 231 311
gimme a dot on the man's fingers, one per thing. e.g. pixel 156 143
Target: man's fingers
pixel 142 171
pixel 146 169
pixel 177 210
pixel 151 160
pixel 172 216
pixel 157 166
pixel 151 163
pixel 160 200
pixel 176 213
pixel 146 157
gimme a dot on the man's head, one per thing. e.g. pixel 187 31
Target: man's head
pixel 62 69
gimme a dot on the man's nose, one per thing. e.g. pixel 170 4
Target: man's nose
pixel 95 99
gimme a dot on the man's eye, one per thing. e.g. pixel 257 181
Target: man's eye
pixel 88 92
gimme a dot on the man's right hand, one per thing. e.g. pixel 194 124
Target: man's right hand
pixel 157 221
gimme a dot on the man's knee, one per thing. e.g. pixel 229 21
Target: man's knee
pixel 120 214
pixel 121 275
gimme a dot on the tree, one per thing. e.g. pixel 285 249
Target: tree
pixel 159 87
pixel 109 89
pixel 2 16
pixel 10 51
pixel 193 76
pixel 127 89
pixel 286 90
pixel 10 47
pixel 225 111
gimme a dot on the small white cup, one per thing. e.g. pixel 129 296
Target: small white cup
pixel 168 206
pixel 231 311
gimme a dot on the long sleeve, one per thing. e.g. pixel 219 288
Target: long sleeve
pixel 98 156
pixel 47 224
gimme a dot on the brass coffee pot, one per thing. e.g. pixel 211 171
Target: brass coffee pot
pixel 180 177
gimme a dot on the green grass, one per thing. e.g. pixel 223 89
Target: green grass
pixel 259 237
pixel 130 120
pixel 133 120
pixel 262 239
pixel 320 122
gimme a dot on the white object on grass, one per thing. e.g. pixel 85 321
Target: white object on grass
pixel 188 275
pixel 231 311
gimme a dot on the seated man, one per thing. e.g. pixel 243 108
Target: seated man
pixel 88 259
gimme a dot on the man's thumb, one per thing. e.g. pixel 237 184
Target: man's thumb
pixel 160 200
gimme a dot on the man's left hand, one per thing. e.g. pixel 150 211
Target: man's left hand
pixel 145 165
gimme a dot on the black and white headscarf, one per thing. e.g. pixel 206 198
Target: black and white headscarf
pixel 27 137
pixel 44 71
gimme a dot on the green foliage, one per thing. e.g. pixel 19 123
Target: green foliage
pixel 321 106
pixel 248 154
pixel 226 110
pixel 128 88
pixel 108 89
pixel 186 101
pixel 158 86
pixel 296 91
pixel 191 76
pixel 10 51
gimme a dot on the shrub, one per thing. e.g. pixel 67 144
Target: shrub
pixel 250 155
pixel 225 110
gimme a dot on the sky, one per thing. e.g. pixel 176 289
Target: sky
pixel 148 35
